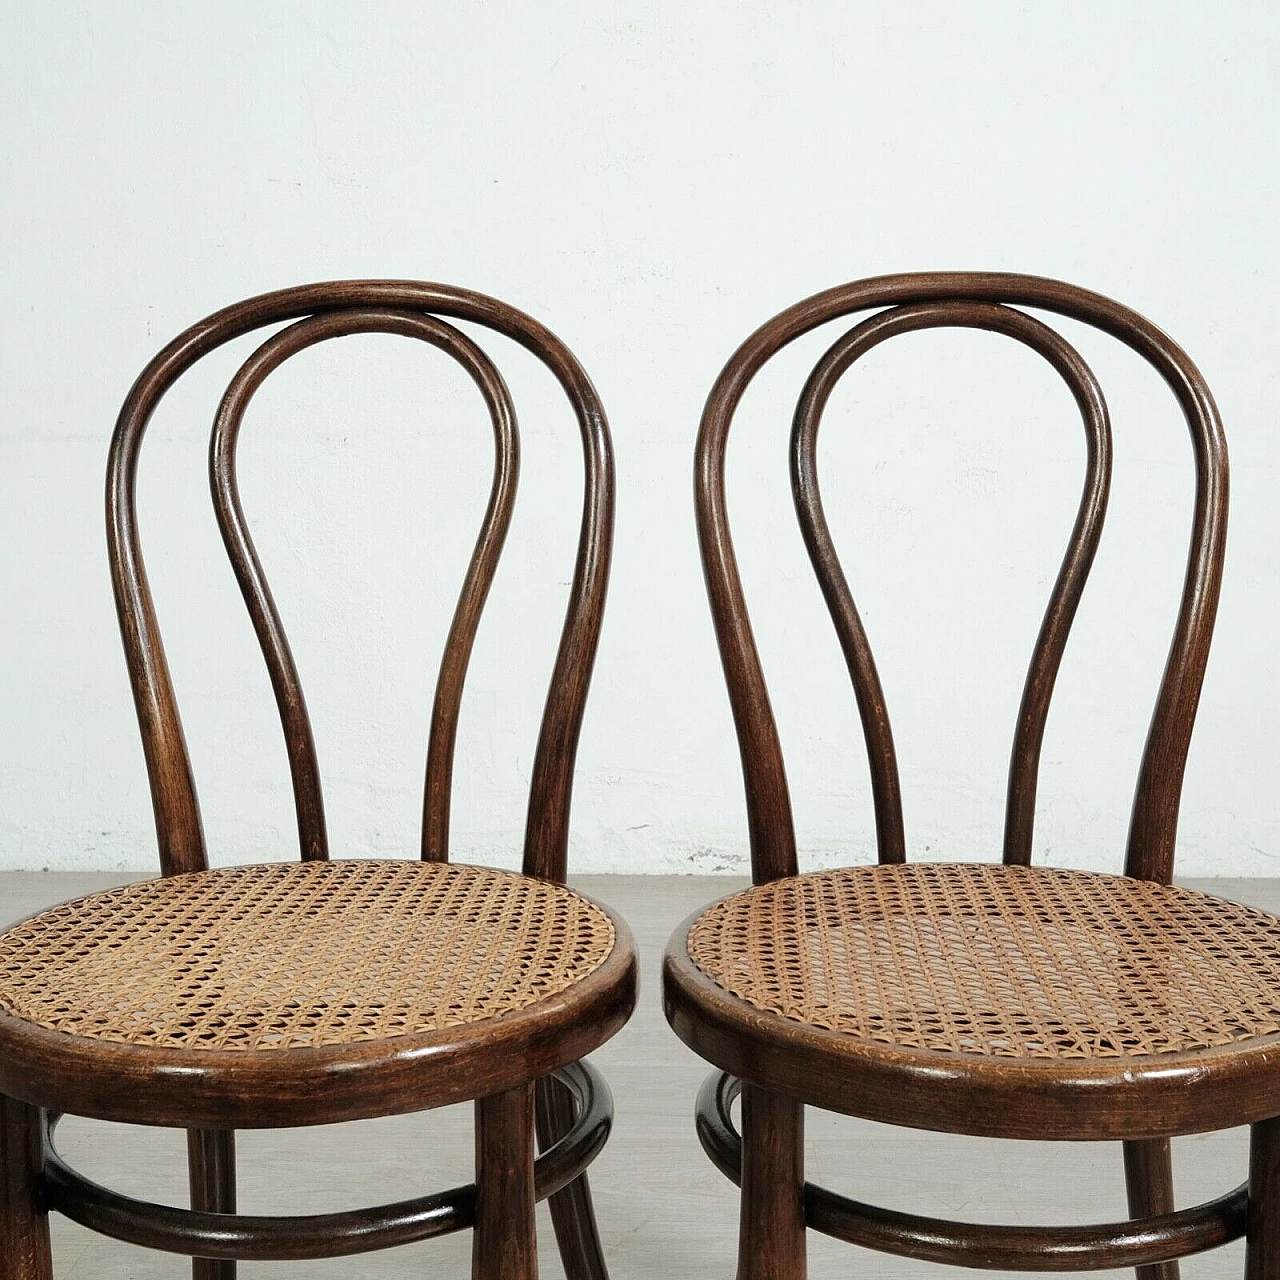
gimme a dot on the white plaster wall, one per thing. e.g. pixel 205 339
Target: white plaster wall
pixel 652 180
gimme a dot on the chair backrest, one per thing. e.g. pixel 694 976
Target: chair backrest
pixel 321 312
pixel 903 303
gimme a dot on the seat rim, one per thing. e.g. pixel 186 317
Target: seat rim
pixel 305 1085
pixel 1151 1096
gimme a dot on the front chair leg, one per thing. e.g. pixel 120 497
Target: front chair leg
pixel 211 1166
pixel 771 1237
pixel 24 1223
pixel 505 1245
pixel 1262 1253
pixel 1148 1178
pixel 572 1215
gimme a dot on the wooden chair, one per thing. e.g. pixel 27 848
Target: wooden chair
pixel 313 992
pixel 1008 1000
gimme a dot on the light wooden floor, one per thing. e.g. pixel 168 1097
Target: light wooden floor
pixel 663 1210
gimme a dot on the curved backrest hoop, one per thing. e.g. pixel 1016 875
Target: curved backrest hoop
pixel 983 300
pixel 1029 735
pixel 262 610
pixel 323 311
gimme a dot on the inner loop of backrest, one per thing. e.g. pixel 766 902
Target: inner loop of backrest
pixel 267 624
pixel 1064 599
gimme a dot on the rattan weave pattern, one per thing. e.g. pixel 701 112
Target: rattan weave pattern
pixel 294 955
pixel 1005 961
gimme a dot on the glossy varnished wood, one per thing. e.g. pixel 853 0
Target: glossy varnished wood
pixel 256 1089
pixel 24 1221
pixel 572 1213
pixel 1148 1180
pixel 211 1166
pixel 772 1230
pixel 1262 1257
pixel 986 1245
pixel 1141 1101
pixel 213 1093
pixel 257 594
pixel 326 310
pixel 505 1245
pixel 663 1211
pixel 1083 545
pixel 983 300
pixel 227 1236
pixel 1073 1099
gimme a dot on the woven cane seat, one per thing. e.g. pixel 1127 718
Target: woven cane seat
pixel 1004 962
pixel 299 955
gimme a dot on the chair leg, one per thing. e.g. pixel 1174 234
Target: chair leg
pixel 24 1223
pixel 211 1165
pixel 572 1215
pixel 504 1245
pixel 1262 1255
pixel 1148 1177
pixel 771 1235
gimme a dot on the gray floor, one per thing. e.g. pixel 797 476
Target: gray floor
pixel 663 1210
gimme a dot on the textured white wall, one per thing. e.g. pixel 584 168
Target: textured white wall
pixel 652 180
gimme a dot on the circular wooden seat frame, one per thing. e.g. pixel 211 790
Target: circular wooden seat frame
pixel 339 1078
pixel 1147 1095
pixel 778 1063
pixel 521 1067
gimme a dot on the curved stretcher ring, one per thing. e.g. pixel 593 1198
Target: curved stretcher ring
pixel 326 1235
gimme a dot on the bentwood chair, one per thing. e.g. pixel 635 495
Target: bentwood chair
pixel 1007 1001
pixel 321 991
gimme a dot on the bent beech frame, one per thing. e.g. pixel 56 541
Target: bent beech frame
pixel 327 1235
pixel 976 300
pixel 775 1200
pixel 521 1072
pixel 326 311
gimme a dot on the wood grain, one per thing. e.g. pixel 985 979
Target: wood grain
pixel 1262 1257
pixel 24 1222
pixel 211 1164
pixel 368 303
pixel 984 299
pixel 504 1246
pixel 1148 1178
pixel 1143 1100
pixel 572 1212
pixel 213 1093
pixel 772 1230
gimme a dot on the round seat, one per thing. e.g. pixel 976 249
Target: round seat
pixel 995 1000
pixel 302 993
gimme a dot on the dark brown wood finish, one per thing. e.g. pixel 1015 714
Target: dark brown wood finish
pixel 24 1218
pixel 1071 1099
pixel 267 1089
pixel 1148 1180
pixel 498 1059
pixel 1262 1251
pixel 572 1214
pixel 1140 1101
pixel 382 305
pixel 505 1244
pixel 326 1235
pixel 211 1161
pixel 927 300
pixel 257 594
pixel 772 1210
pixel 1024 767
pixel 1076 1248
